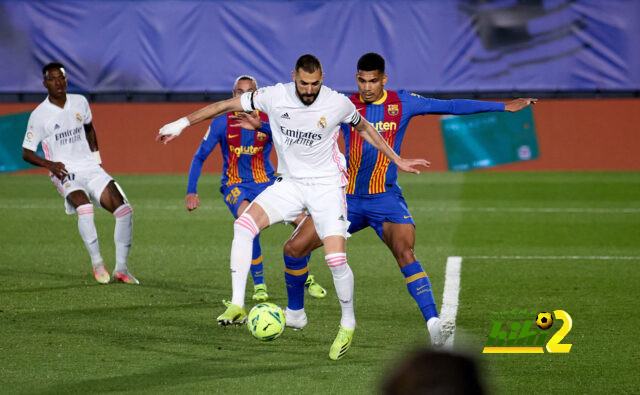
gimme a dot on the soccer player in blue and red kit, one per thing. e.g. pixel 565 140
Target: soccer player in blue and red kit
pixel 374 197
pixel 246 172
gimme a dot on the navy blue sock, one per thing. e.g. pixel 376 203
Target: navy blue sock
pixel 257 268
pixel 419 287
pixel 295 275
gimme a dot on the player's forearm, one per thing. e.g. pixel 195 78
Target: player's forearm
pixel 214 110
pixel 194 174
pixel 31 157
pixel 463 106
pixel 371 136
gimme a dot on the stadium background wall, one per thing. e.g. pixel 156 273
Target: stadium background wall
pixel 573 134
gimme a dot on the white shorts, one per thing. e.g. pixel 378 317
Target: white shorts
pixel 92 181
pixel 286 199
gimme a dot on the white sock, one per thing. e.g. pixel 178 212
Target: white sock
pixel 244 231
pixel 122 235
pixel 343 281
pixel 87 229
pixel 432 321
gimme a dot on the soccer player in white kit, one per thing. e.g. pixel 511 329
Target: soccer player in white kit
pixel 63 124
pixel 305 119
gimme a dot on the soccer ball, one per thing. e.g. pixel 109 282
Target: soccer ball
pixel 544 320
pixel 266 321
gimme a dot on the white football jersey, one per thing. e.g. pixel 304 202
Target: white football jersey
pixel 305 137
pixel 61 132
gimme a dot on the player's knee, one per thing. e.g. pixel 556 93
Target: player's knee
pixel 293 249
pixel 123 210
pixel 405 256
pixel 245 227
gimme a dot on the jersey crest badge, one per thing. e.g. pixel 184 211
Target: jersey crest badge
pixel 79 117
pixel 322 123
pixel 392 110
pixel 261 136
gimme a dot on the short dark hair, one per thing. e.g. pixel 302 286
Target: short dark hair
pixel 308 63
pixel 371 62
pixel 49 66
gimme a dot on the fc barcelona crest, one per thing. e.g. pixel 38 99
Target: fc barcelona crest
pixel 392 110
pixel 261 136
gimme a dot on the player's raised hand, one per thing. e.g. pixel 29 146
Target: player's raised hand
pixel 58 169
pixel 518 104
pixel 249 121
pixel 410 165
pixel 192 201
pixel 172 130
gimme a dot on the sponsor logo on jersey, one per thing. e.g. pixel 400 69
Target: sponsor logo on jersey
pixel 56 127
pixel 261 136
pixel 299 137
pixel 392 109
pixel 232 136
pixel 285 116
pixel 322 123
pixel 79 117
pixel 245 150
pixel 385 126
pixel 29 135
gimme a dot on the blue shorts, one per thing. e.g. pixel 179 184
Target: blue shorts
pixel 234 194
pixel 374 210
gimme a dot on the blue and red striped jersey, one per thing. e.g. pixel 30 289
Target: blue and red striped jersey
pixel 245 153
pixel 370 171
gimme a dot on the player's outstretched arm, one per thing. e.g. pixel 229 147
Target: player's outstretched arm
pixel 57 168
pixel 172 130
pixel 371 135
pixel 519 104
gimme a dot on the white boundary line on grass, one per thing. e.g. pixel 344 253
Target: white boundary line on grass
pixel 451 292
pixel 557 257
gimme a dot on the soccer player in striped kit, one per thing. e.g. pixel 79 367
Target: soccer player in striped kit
pixel 374 197
pixel 246 172
pixel 305 118
pixel 63 124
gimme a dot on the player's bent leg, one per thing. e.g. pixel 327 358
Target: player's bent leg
pixel 122 235
pixel 304 240
pixel 400 239
pixel 245 229
pixel 87 229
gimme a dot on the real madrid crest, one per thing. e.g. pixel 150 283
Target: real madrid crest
pixel 392 110
pixel 79 117
pixel 322 123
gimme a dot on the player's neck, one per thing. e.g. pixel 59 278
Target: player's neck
pixel 60 101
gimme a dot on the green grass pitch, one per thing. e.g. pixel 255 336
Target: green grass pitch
pixel 61 332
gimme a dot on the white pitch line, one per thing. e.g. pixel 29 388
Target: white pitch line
pixel 449 308
pixel 557 257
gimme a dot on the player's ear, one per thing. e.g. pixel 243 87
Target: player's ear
pixel 384 80
pixel 293 76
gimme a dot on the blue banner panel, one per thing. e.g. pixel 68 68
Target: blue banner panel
pixel 12 130
pixel 489 139
pixel 430 45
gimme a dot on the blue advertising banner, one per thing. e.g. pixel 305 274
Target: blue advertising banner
pixel 430 45
pixel 489 139
pixel 12 130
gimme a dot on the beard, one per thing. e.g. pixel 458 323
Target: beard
pixel 307 99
